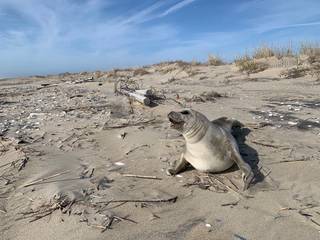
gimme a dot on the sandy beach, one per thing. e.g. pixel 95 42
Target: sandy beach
pixel 78 161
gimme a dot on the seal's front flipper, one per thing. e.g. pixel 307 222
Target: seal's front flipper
pixel 178 166
pixel 247 173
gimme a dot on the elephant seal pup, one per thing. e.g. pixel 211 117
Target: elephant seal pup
pixel 210 146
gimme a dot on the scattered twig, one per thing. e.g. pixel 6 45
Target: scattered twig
pixel 128 124
pixel 176 101
pixel 258 125
pixel 23 161
pixel 3 211
pixel 135 148
pixel 228 187
pixel 41 216
pixel 267 144
pixel 44 179
pixel 69 138
pixel 301 212
pixel 315 222
pixel 125 219
pixel 141 176
pixel 287 209
pixel 84 108
pixel 230 204
pixel 9 163
pixel 291 161
pixel 171 199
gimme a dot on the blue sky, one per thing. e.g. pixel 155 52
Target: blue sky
pixel 53 36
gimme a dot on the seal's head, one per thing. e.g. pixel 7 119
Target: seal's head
pixel 189 122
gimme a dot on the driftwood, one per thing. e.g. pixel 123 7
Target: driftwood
pixel 138 97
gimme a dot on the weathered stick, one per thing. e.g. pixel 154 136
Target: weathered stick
pixel 315 222
pixel 291 161
pixel 9 163
pixel 129 124
pixel 141 176
pixel 3 211
pixel 230 204
pixel 44 179
pixel 267 144
pixel 135 148
pixel 41 216
pixel 172 199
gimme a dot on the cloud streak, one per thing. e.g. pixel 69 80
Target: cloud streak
pixel 176 7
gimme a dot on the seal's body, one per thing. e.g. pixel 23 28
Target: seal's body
pixel 210 146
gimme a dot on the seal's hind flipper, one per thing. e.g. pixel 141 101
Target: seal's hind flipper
pixel 228 124
pixel 179 165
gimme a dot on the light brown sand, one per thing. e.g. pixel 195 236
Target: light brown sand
pixel 69 135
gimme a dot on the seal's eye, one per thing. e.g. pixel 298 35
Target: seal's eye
pixel 185 112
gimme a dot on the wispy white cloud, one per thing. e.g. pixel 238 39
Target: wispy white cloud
pixel 176 7
pixel 159 9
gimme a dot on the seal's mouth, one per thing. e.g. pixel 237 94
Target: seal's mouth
pixel 175 120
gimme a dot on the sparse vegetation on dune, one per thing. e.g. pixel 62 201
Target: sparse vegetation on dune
pixel 249 65
pixel 266 51
pixel 215 60
pixel 295 72
pixel 306 60
pixel 310 49
pixel 140 72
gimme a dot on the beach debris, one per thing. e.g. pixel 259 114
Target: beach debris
pixel 61 200
pixel 101 183
pixel 46 178
pixel 208 225
pixel 205 96
pixel 131 88
pixel 268 144
pixel 136 148
pixel 232 204
pixel 84 80
pixel 141 176
pixel 135 92
pixel 122 135
pixel 119 164
pixel 161 200
pixel 238 237
pixel 286 119
pixel 303 159
pixel 129 123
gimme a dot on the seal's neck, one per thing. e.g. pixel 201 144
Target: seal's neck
pixel 196 132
